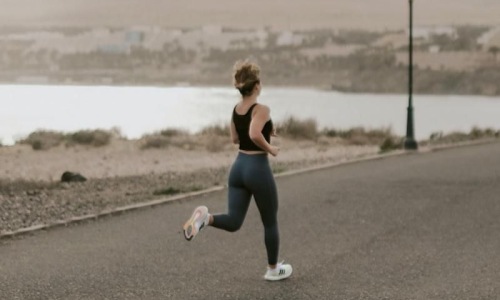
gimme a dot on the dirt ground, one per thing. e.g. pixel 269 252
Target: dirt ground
pixel 126 158
pixel 122 173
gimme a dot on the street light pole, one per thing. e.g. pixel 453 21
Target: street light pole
pixel 410 143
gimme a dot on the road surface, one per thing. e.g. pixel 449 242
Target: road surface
pixel 418 226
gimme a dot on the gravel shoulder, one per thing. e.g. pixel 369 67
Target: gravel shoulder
pixel 122 174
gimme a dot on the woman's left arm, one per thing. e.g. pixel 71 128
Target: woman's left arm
pixel 234 134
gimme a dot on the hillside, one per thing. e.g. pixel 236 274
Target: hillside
pixel 280 14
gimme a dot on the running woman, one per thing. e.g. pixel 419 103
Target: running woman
pixel 250 174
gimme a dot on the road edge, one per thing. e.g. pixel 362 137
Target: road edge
pixel 184 196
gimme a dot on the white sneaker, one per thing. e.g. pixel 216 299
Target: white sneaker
pixel 199 220
pixel 282 271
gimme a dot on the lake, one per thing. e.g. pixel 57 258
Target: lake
pixel 140 110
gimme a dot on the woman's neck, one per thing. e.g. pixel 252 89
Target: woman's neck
pixel 249 99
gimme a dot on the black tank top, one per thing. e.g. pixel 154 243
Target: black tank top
pixel 242 124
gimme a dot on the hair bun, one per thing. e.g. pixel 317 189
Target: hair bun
pixel 239 85
pixel 246 76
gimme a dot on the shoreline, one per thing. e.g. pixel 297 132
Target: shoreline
pixel 200 85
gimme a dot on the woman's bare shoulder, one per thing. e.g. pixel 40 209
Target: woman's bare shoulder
pixel 263 108
pixel 262 111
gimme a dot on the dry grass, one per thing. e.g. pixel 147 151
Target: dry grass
pixel 360 135
pixel 298 129
pixel 46 139
pixel 43 139
pixel 215 138
pixel 96 138
pixel 455 137
pixel 168 138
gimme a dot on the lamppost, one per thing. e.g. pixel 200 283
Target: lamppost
pixel 410 143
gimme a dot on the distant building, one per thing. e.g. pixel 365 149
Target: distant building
pixel 288 38
pixel 330 50
pixel 490 39
pixel 427 32
pixel 134 37
pixel 392 40
pixel 445 60
pixel 212 38
pixel 434 49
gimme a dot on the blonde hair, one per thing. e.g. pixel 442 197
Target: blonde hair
pixel 246 76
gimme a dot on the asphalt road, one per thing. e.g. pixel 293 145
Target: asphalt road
pixel 418 226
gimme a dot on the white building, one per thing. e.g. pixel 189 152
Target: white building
pixel 288 38
pixel 490 39
pixel 426 32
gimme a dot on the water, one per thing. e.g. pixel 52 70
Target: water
pixel 140 110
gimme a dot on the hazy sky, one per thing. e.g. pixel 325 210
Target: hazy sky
pixel 292 14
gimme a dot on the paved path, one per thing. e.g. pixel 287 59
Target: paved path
pixel 419 226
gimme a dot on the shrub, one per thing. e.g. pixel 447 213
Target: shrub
pixel 477 133
pixel 454 137
pixel 169 137
pixel 329 132
pixel 436 136
pixel 217 130
pixel 154 141
pixel 214 137
pixel 361 136
pixel 43 139
pixel 171 132
pixel 96 138
pixel 298 129
pixel 215 143
pixel 391 143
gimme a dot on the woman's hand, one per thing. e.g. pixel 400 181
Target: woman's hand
pixel 273 150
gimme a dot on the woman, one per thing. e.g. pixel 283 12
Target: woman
pixel 250 175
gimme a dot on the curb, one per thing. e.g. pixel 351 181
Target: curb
pixel 459 144
pixel 105 213
pixel 344 162
pixel 179 197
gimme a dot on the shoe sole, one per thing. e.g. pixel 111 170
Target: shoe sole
pixel 279 277
pixel 276 278
pixel 190 230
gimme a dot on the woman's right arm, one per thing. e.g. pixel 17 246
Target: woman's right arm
pixel 259 119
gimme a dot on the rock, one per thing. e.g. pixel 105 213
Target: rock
pixel 72 177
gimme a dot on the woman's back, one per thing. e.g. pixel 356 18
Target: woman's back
pixel 242 120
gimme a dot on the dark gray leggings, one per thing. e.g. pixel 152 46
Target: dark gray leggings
pixel 252 175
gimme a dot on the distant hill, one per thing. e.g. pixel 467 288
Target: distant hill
pixel 281 14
